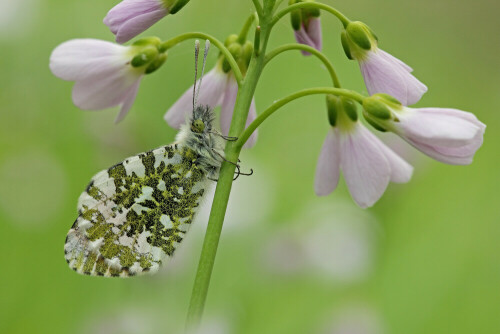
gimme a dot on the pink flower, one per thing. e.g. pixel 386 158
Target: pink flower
pixel 218 89
pixel 131 17
pixel 384 73
pixel 366 163
pixel 310 34
pixel 102 73
pixel 448 135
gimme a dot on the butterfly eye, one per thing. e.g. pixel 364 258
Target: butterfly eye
pixel 198 126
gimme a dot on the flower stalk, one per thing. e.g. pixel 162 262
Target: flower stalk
pixel 224 184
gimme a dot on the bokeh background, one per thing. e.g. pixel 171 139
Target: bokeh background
pixel 424 259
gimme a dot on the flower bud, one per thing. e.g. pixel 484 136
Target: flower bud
pixel 144 57
pixel 230 40
pixel 247 52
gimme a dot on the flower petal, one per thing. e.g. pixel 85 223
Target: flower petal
pixel 328 168
pixel 365 167
pixel 83 58
pixel 432 127
pixel 101 92
pixel 127 103
pixel 310 35
pixel 138 24
pixel 131 17
pixel 401 171
pixel 252 115
pixel 384 74
pixel 228 102
pixel 211 94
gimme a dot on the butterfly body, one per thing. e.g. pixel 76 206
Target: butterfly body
pixel 134 214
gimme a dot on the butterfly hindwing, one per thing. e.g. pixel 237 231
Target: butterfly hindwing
pixel 136 212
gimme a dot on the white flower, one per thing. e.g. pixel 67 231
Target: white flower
pixel 310 34
pixel 384 73
pixel 131 17
pixel 366 163
pixel 218 89
pixel 448 135
pixel 102 73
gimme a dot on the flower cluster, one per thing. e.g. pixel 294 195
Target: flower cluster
pixel 108 74
pixel 448 135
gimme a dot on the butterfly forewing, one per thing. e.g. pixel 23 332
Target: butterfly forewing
pixel 136 212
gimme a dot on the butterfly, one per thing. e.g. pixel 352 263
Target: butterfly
pixel 135 213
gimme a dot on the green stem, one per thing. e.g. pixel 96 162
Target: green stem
pixel 345 21
pixel 242 37
pixel 258 6
pixel 280 103
pixel 190 35
pixel 223 189
pixel 311 50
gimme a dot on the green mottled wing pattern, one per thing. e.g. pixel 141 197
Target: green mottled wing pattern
pixel 135 213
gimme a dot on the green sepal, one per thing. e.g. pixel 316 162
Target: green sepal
pixel 333 104
pixel 375 125
pixel 178 6
pixel 157 63
pixel 350 108
pixel 147 41
pixel 359 34
pixel 345 45
pixel 225 66
pixel 390 99
pixel 296 19
pixel 374 107
pixel 144 57
pixel 311 12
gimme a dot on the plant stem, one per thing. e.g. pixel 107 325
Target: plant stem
pixel 345 21
pixel 190 35
pixel 242 37
pixel 311 50
pixel 280 103
pixel 223 189
pixel 258 6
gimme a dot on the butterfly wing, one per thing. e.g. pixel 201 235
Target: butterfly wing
pixel 136 212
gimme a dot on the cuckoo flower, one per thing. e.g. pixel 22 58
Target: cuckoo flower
pixel 448 135
pixel 219 89
pixel 366 163
pixel 382 72
pixel 131 17
pixel 307 27
pixel 105 74
pixel 310 34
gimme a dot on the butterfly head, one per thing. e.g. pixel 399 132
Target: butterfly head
pixel 202 119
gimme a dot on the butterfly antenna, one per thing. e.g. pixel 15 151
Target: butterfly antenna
pixel 196 52
pixel 207 46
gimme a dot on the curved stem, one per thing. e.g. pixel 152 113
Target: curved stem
pixel 311 50
pixel 345 21
pixel 242 37
pixel 258 6
pixel 190 35
pixel 280 103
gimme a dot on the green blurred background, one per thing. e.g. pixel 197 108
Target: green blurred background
pixel 425 259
